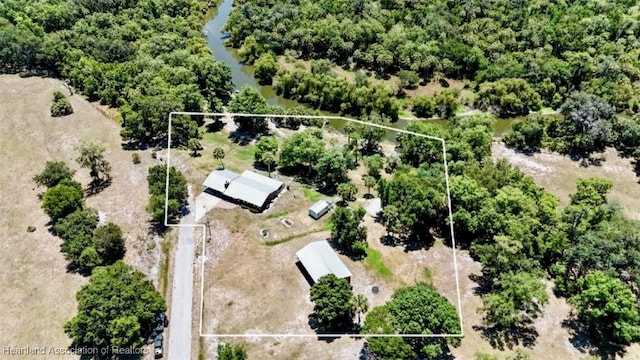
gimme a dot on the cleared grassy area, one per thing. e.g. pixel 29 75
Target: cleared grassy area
pixel 277 214
pixel 292 237
pixel 233 152
pixel 166 245
pixel 374 261
pixel 311 194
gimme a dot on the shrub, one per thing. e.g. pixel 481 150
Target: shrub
pixel 424 106
pixel 135 157
pixel 60 106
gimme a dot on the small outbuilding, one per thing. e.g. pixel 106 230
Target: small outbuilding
pixel 319 259
pixel 320 208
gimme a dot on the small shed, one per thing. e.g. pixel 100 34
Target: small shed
pixel 319 259
pixel 320 208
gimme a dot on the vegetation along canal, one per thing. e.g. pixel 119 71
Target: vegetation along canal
pixel 243 74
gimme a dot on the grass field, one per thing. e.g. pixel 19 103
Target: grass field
pixel 559 174
pixel 38 294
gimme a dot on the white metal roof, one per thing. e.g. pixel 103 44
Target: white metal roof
pixel 319 259
pixel 218 178
pixel 271 183
pixel 319 206
pixel 248 191
pixel 249 187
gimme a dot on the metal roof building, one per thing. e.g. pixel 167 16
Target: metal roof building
pixel 249 187
pixel 218 180
pixel 319 259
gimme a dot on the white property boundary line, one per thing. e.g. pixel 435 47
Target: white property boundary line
pixel 202 226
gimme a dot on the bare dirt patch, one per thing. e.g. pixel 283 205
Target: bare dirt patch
pixel 38 294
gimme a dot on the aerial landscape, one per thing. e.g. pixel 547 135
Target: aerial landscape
pixel 331 179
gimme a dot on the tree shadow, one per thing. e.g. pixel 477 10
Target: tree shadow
pixel 411 243
pixel 134 145
pixel 73 268
pixel 97 186
pixel 244 138
pixel 528 152
pixel 390 240
pixel 582 340
pixel 518 335
pixel 484 285
pixel 587 160
pixel 321 331
pixel 366 353
pixel 300 174
pixel 215 126
pixel 636 168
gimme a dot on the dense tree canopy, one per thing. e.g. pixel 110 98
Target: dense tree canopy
pixel 128 304
pixel 525 135
pixel 76 231
pixel 413 310
pixel 60 105
pixel 609 307
pixel 508 97
pixel 302 149
pixel 518 300
pixel 266 68
pixel 157 179
pixel 347 232
pixel 145 57
pixel 266 144
pixel 588 123
pixel 333 304
pixel 91 156
pixel 555 48
pixel 324 91
pixel 109 243
pixel 249 101
pixel 63 199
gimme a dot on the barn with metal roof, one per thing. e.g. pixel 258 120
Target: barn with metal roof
pixel 319 259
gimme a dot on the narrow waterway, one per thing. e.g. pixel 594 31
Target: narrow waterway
pixel 243 74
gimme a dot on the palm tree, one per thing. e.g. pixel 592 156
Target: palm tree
pixel 369 182
pixel 195 146
pixel 360 305
pixel 218 154
pixel 268 159
pixel 349 129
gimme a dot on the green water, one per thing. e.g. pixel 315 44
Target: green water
pixel 243 74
